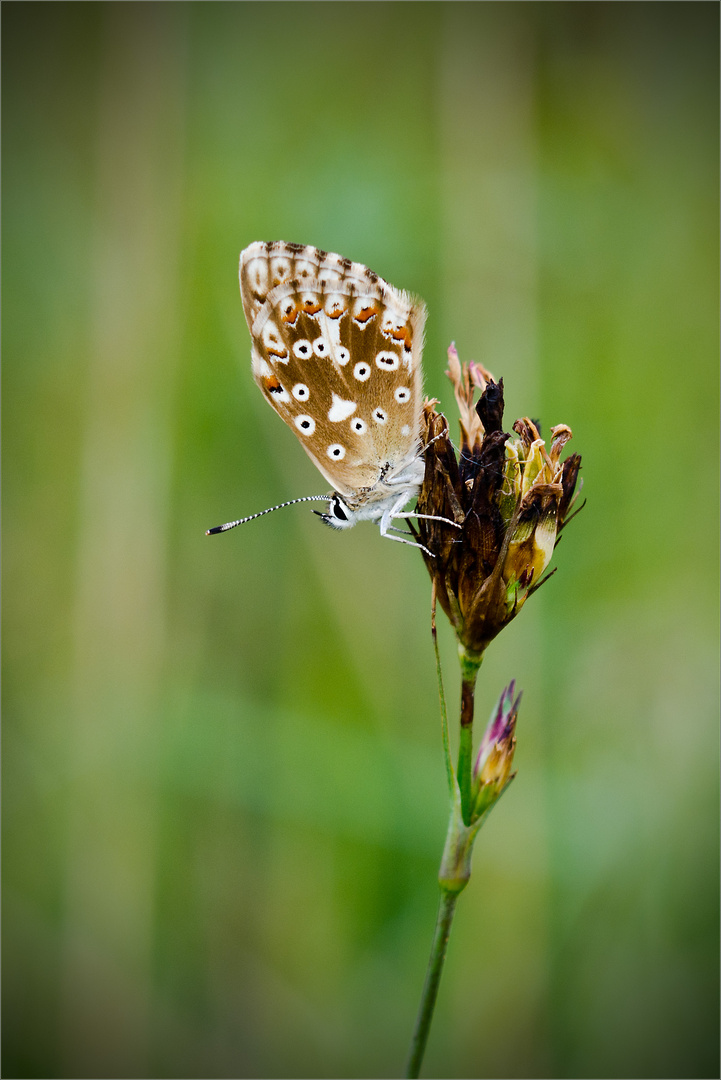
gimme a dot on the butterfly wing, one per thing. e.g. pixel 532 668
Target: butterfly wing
pixel 337 354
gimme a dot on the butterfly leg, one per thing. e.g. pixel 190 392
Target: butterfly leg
pixel 385 525
pixel 411 543
pixel 428 517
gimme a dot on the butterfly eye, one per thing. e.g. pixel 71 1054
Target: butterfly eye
pixel 305 424
pixel 301 392
pixel 402 395
pixel 336 452
pixel 379 416
pixel 358 425
pixel 302 349
pixel 362 371
pixel 338 511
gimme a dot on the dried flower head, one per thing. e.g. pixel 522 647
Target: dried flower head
pixel 511 497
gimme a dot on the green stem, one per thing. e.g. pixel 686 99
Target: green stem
pixel 453 876
pixel 465 765
pixel 470 663
pixel 450 773
pixel 455 868
pixel 446 910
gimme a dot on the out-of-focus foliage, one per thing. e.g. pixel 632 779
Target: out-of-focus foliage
pixel 224 795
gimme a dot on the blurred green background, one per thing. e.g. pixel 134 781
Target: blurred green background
pixel 224 798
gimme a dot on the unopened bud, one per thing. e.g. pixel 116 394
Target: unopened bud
pixel 492 771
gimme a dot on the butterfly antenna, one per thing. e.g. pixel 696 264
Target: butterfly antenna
pixel 242 521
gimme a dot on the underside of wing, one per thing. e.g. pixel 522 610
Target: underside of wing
pixel 337 354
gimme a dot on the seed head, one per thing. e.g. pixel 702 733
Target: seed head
pixel 511 497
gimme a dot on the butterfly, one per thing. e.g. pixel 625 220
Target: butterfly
pixel 336 352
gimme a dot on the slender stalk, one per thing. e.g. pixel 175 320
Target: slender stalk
pixel 470 664
pixel 446 910
pixel 465 750
pixel 455 868
pixel 442 696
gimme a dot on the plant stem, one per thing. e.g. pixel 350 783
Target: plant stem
pixel 446 910
pixel 465 750
pixel 455 868
pixel 453 876
pixel 450 773
pixel 470 663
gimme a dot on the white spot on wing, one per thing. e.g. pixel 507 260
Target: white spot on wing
pixel 257 274
pixel 305 424
pixel 303 269
pixel 405 430
pixel 280 269
pixel 271 335
pixel 335 305
pixel 273 343
pixel 261 367
pixel 340 409
pixel 329 276
pixel 302 349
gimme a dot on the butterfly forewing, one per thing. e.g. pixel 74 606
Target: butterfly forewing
pixel 336 352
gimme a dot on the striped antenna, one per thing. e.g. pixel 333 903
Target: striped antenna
pixel 242 521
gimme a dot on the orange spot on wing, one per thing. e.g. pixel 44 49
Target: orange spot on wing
pixel 336 313
pixel 402 333
pixel 290 315
pixel 271 384
pixel 282 353
pixel 311 308
pixel 365 314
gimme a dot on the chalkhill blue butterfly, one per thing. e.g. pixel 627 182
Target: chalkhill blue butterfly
pixel 336 352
